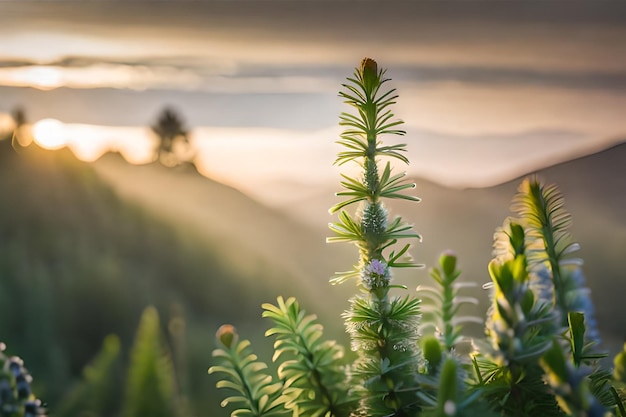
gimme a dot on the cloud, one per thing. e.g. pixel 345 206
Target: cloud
pixel 305 47
pixel 499 76
pixel 103 75
pixel 208 75
pixel 89 73
pixel 540 36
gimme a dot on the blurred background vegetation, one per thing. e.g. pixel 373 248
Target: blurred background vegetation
pixel 78 263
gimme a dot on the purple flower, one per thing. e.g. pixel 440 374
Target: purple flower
pixel 375 274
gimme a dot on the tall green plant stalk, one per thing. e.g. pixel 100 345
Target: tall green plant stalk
pixel 383 328
pixel 520 328
pixel 444 302
pixel 551 249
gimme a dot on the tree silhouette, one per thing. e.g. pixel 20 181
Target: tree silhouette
pixel 21 134
pixel 173 147
pixel 19 116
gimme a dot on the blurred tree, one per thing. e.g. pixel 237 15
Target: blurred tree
pixel 173 147
pixel 150 389
pixel 19 116
pixel 98 392
pixel 21 134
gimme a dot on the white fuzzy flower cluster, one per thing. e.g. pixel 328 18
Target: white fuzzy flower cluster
pixel 376 274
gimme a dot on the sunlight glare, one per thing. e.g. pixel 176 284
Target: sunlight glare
pixel 43 77
pixel 90 142
pixel 7 124
pixel 50 134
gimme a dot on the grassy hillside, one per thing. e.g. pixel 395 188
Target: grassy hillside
pixel 78 262
pixel 244 227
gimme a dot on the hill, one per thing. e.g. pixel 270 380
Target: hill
pixel 246 229
pixel 78 261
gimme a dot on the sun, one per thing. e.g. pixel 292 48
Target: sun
pixel 50 134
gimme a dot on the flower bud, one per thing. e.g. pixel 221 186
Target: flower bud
pixel 369 74
pixel 431 348
pixel 447 260
pixel 367 65
pixel 227 335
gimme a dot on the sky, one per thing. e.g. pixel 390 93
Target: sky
pixel 488 90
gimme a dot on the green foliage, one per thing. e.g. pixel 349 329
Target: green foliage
pixel 578 382
pixel 531 300
pixel 150 389
pixel 16 396
pixel 312 368
pixel 256 393
pixel 384 334
pixel 451 396
pixel 618 390
pixel 370 230
pixel 383 328
pixel 79 262
pixel 100 387
pixel 541 209
pixel 445 301
pixel 520 328
pixel 538 358
pixel 619 362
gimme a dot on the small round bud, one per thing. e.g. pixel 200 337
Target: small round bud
pixel 431 348
pixel 227 335
pixel 447 260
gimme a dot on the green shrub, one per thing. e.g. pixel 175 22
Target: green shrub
pixel 540 355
